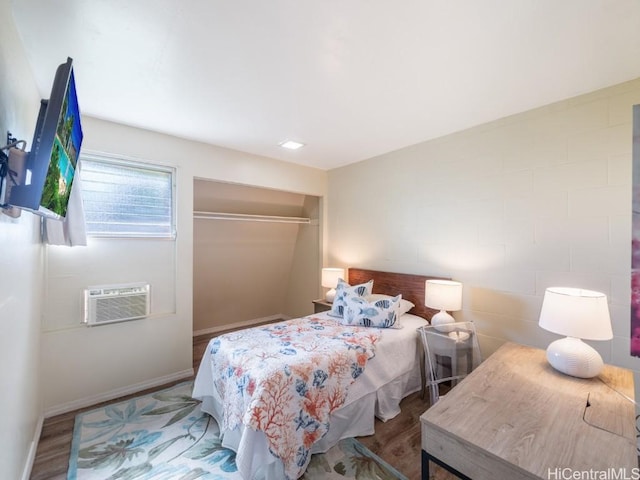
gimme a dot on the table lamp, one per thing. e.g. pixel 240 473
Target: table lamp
pixel 578 314
pixel 443 295
pixel 330 278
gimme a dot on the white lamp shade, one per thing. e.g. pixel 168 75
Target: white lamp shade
pixel 443 295
pixel 330 277
pixel 575 312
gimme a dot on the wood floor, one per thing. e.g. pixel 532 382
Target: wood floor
pixel 396 441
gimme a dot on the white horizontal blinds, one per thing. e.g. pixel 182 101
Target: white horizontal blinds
pixel 127 199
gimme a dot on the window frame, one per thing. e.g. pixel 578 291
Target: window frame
pixel 112 159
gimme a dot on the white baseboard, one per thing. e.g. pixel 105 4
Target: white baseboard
pixel 26 473
pixel 120 392
pixel 245 323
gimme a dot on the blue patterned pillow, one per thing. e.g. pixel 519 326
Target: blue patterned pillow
pixel 381 313
pixel 405 305
pixel 342 290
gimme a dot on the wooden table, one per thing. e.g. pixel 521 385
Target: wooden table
pixel 515 417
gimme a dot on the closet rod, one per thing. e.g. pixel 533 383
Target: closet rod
pixel 249 218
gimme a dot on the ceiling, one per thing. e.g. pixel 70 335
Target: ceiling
pixel 352 79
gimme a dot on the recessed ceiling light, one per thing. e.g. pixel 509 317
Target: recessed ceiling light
pixel 291 145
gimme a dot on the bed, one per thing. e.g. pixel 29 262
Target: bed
pixel 345 376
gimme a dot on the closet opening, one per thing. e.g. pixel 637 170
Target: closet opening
pixel 256 255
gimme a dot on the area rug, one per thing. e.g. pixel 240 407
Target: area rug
pixel 165 436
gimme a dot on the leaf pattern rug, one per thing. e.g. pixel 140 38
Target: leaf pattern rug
pixel 165 436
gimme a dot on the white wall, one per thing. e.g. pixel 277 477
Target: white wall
pixel 20 275
pixel 508 208
pixel 83 365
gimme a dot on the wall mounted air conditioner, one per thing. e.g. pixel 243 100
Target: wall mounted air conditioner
pixel 115 303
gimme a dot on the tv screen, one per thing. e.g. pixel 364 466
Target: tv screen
pixel 52 161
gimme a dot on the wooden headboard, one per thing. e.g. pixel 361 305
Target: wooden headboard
pixel 410 286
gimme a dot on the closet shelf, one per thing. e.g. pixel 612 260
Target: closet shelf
pixel 249 218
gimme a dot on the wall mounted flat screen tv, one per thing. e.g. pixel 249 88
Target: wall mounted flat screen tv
pixel 53 159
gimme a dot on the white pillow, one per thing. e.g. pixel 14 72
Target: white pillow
pixel 342 290
pixel 381 314
pixel 405 305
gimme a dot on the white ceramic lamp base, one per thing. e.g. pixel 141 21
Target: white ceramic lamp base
pixel 441 320
pixel 330 295
pixel 574 357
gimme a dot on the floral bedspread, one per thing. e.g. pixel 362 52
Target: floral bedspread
pixel 285 379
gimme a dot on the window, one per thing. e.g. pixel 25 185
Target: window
pixel 127 199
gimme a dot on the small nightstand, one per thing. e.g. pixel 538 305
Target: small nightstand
pixel 321 305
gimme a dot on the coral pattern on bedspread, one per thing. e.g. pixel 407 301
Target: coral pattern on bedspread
pixel 285 379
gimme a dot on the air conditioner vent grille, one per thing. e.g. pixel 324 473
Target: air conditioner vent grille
pixel 121 308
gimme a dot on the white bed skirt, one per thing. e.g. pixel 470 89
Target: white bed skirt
pixel 255 462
